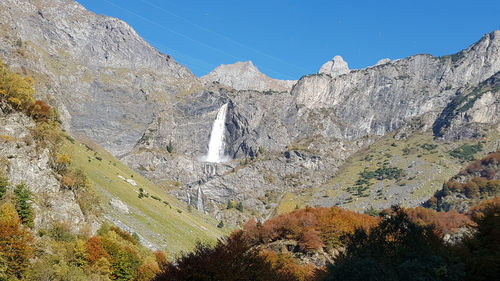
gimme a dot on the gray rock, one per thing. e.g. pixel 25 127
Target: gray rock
pixel 23 162
pixel 118 205
pixel 337 66
pixel 383 61
pixel 245 76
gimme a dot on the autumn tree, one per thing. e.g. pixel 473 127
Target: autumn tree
pixel 15 242
pixel 161 260
pixel 95 250
pixel 481 251
pixel 16 90
pixel 231 259
pixel 396 249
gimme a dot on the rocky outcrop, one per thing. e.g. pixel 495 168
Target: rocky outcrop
pixel 337 66
pixel 246 76
pixel 470 111
pixel 24 162
pixel 383 61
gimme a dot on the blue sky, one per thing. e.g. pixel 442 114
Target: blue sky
pixel 288 39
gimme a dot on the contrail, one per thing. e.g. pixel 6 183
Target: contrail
pixel 185 36
pixel 223 36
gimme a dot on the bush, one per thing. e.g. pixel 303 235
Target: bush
pixel 221 224
pixel 428 146
pixel 239 207
pixel 170 147
pixel 466 151
pixel 61 232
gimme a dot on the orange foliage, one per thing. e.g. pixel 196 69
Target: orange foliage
pixel 67 181
pixel 478 211
pixel 161 260
pixel 95 250
pixel 312 227
pixel 310 240
pixel 287 265
pixel 491 159
pixel 15 241
pixel 444 222
pixel 147 271
pixel 39 110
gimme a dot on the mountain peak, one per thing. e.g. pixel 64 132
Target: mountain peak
pixel 246 76
pixel 337 66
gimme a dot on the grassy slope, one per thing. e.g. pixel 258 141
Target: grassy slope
pixel 424 170
pixel 168 227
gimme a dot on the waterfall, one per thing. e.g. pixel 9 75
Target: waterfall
pixel 216 144
pixel 199 204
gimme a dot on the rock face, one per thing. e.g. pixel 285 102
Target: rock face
pixel 245 76
pixel 107 80
pixel 470 110
pixel 23 162
pixel 337 66
pixel 376 100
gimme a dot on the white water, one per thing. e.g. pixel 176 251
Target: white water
pixel 199 204
pixel 216 144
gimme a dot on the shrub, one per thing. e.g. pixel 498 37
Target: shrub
pixel 428 146
pixel 466 151
pixel 239 207
pixel 170 147
pixel 61 232
pixel 221 224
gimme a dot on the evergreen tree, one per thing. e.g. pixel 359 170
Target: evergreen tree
pixel 4 183
pixel 239 207
pixel 221 224
pixel 23 206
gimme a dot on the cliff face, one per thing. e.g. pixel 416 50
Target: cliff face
pixel 106 79
pixel 379 99
pixel 24 162
pixel 113 87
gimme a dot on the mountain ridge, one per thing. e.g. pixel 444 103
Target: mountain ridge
pixel 246 76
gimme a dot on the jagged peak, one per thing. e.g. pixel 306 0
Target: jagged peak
pixel 335 67
pixel 246 76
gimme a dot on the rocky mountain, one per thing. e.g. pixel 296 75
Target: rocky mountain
pixel 156 116
pixel 246 76
pixel 93 65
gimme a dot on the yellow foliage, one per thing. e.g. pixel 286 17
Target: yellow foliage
pixel 15 89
